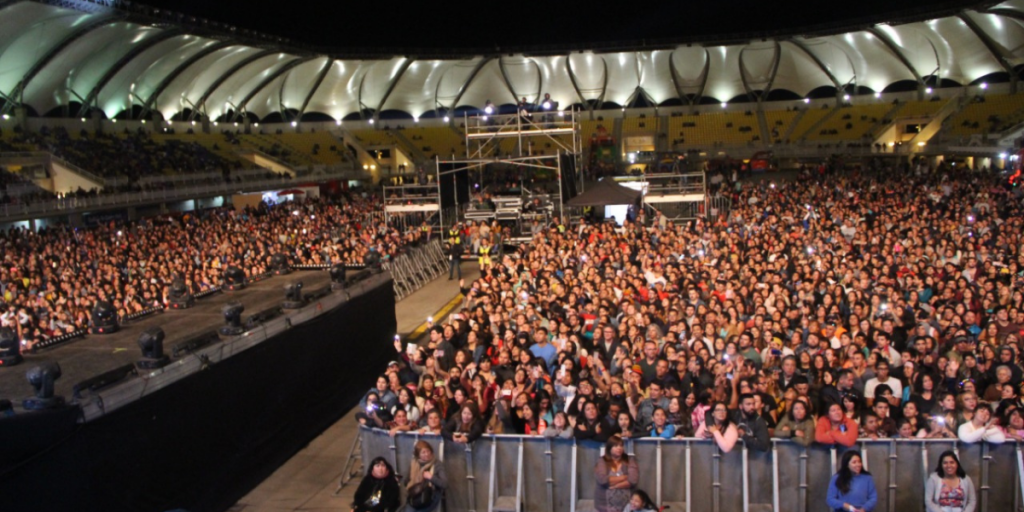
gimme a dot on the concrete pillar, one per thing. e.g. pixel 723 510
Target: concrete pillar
pixel 246 125
pixel 133 213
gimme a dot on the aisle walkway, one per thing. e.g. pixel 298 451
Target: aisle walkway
pixel 307 482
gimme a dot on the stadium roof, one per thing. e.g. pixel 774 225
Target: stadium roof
pixel 139 59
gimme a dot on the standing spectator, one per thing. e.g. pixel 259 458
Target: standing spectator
pixel 465 426
pixel 949 488
pixel 797 425
pixel 378 491
pixel 721 429
pixel 852 489
pixel 427 480
pixel 982 427
pixel 750 426
pixel 617 475
pixel 834 428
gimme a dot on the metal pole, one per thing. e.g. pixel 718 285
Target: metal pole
pixel 775 477
pixel 802 503
pixel 492 475
pixel 519 476
pixel 549 469
pixel 689 475
pixel 657 469
pixel 746 479
pixel 440 207
pixel 716 479
pixel 561 197
pixel 470 477
pixel 891 494
pixel 986 458
pixel 572 480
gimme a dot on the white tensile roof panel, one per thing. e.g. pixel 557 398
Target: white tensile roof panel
pixel 123 91
pixel 556 81
pixel 414 92
pixel 27 32
pixel 487 85
pixel 623 77
pixel 798 72
pixel 525 77
pixel 656 75
pixel 298 82
pixel 146 81
pixel 240 84
pixel 724 82
pixel 188 88
pixel 589 70
pixel 337 95
pixel 378 79
pixel 78 66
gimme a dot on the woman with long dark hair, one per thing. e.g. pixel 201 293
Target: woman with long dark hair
pixel 949 487
pixel 852 489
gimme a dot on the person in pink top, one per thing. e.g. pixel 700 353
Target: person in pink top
pixel 721 429
pixel 834 428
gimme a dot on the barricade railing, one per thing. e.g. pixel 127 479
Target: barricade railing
pixel 416 267
pixel 538 474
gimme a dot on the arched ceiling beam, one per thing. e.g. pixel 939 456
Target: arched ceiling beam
pixel 821 65
pixel 776 57
pixel 507 79
pixel 993 47
pixel 895 49
pixel 243 105
pixel 122 62
pixel 187 63
pixel 321 76
pixel 19 90
pixel 394 81
pixel 225 76
pixel 572 79
pixel 1009 13
pixel 465 86
pixel 703 77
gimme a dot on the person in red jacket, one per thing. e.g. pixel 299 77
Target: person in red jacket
pixel 834 428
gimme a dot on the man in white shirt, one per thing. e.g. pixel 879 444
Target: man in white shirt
pixel 881 377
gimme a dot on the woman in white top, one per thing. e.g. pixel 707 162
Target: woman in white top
pixel 981 427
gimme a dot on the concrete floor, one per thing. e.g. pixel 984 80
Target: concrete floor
pixel 308 481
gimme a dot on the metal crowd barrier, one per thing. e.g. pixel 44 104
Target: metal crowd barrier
pixel 536 474
pixel 417 267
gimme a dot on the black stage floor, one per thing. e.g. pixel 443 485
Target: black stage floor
pixel 92 355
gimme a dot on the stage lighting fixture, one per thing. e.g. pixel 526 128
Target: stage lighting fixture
pixel 233 318
pixel 279 263
pixel 337 277
pixel 488 108
pixel 234 279
pixel 293 296
pixel 104 318
pixel 151 342
pixel 372 260
pixel 178 296
pixel 10 347
pixel 41 378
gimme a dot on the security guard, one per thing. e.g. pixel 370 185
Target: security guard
pixel 454 252
pixel 485 255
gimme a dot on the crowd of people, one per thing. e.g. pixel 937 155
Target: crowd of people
pixel 51 280
pixel 826 310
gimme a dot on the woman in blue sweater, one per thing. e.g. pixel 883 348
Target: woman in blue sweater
pixel 852 489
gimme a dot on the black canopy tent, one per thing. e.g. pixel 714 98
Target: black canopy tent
pixel 606 192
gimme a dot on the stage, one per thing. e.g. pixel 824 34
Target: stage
pixel 83 358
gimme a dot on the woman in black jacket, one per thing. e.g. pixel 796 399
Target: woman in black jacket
pixel 379 491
